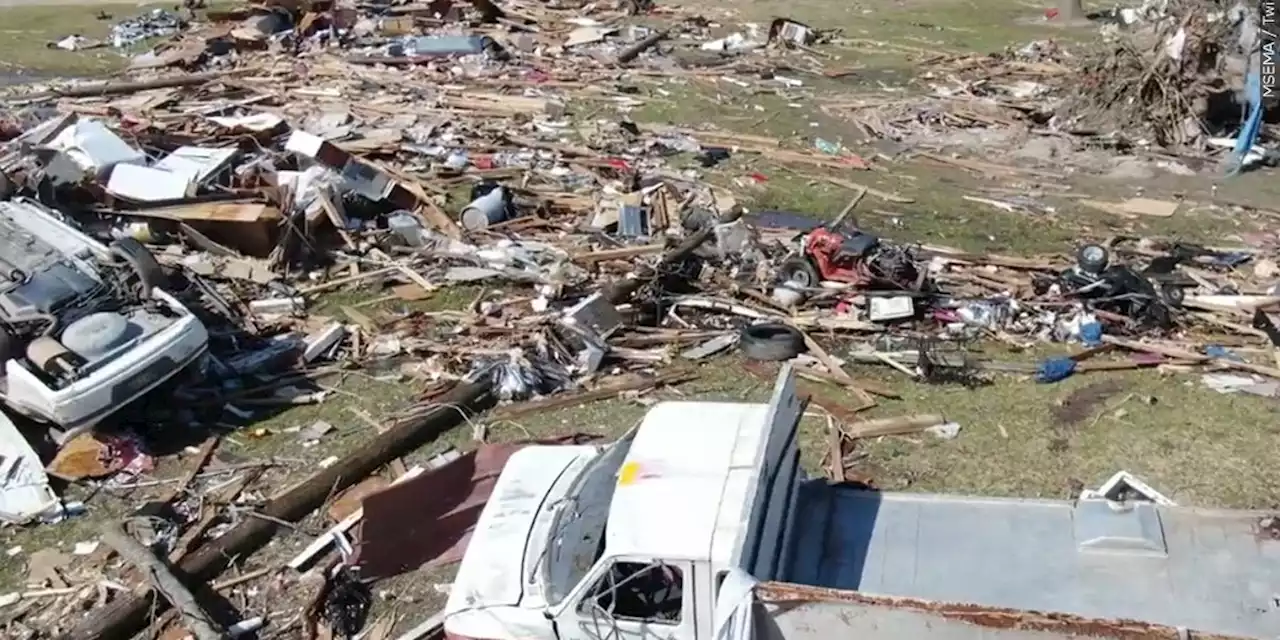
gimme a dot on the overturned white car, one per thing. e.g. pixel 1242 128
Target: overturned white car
pixel 85 328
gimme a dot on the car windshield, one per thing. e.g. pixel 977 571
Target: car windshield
pixel 577 539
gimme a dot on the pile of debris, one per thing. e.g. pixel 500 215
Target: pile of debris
pixel 237 199
pixel 1176 79
pixel 183 237
pixel 179 233
pixel 1171 77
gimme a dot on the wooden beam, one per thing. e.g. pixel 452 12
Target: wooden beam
pixel 900 425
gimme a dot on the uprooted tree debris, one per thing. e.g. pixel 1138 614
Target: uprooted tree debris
pixel 1171 80
pixel 1171 83
pixel 295 184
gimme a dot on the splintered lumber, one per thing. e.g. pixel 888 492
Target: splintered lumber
pixel 855 186
pixel 127 616
pixel 869 386
pixel 194 618
pixel 1009 262
pixel 835 449
pixel 893 426
pixel 603 392
pixel 834 406
pixel 202 458
pixel 623 253
pixel 1193 357
pixel 114 88
pixel 504 105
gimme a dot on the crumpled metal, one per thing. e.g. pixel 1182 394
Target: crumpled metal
pixel 156 23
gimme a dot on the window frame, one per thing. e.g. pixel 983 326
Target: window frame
pixel 589 604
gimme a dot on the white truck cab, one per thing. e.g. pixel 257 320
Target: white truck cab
pixel 579 537
pixel 699 524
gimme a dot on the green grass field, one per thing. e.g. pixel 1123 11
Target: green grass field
pixel 1195 445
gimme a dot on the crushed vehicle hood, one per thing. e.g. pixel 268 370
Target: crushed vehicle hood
pixel 513 528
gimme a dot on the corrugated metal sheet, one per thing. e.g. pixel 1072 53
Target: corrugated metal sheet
pixel 427 521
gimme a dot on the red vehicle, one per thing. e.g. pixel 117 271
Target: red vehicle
pixel 835 254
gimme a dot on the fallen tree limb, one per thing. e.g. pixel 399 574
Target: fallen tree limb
pixel 125 617
pixel 194 617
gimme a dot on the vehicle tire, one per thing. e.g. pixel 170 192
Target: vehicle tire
pixel 1158 315
pixel 1173 295
pixel 1093 258
pixel 149 272
pixel 771 342
pixel 801 271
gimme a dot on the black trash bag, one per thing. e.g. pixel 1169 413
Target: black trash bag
pixel 346 604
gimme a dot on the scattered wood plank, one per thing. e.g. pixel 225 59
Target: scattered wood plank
pixel 603 392
pixel 893 426
pixel 816 395
pixel 223 585
pixel 201 459
pixel 862 384
pixel 209 517
pixel 624 253
pixel 430 628
pixel 1135 207
pixel 991 168
pixel 835 446
pixel 856 186
pixel 116 88
pixel 1192 357
pixel 322 542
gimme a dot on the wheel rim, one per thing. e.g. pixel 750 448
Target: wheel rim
pixel 801 277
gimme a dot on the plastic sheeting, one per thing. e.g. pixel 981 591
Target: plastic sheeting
pixel 519 376
pixel 24 488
